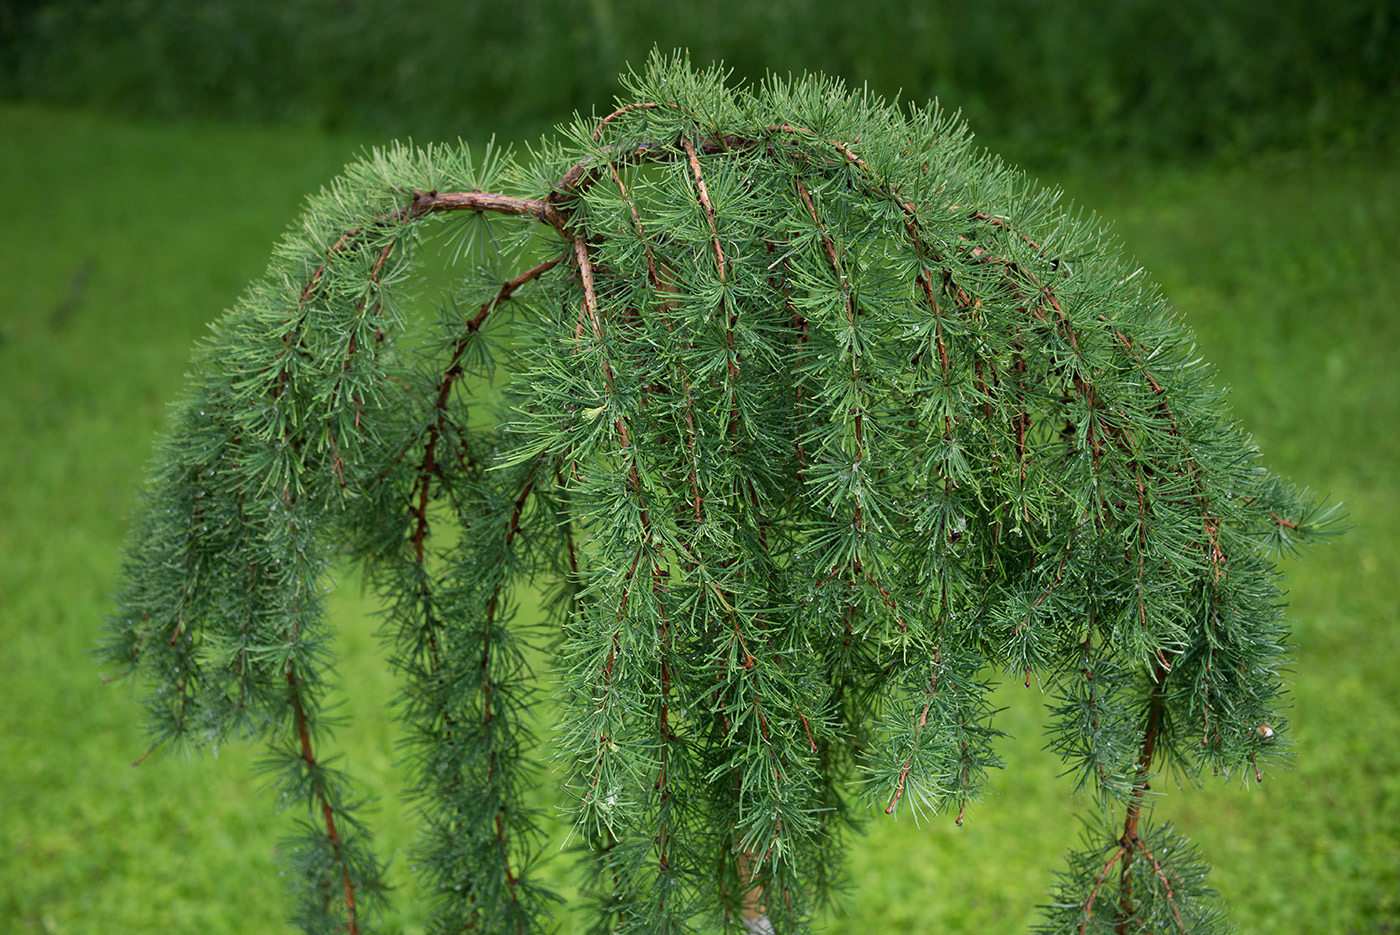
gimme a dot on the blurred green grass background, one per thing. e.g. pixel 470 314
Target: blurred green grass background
pixel 124 233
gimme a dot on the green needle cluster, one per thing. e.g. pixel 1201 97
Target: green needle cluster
pixel 810 418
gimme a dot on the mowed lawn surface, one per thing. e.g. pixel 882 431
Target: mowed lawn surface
pixel 120 241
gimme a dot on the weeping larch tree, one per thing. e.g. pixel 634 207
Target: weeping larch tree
pixel 807 419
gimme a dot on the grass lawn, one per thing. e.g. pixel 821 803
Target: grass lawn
pixel 122 240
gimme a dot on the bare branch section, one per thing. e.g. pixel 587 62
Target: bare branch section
pixel 438 202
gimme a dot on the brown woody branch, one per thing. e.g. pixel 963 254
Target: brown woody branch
pixel 432 202
pixel 308 757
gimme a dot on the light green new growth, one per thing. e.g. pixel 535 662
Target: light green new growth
pixel 817 418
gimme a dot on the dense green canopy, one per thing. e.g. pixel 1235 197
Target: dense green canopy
pixel 810 417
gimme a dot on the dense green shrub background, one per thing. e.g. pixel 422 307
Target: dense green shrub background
pixel 1041 78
